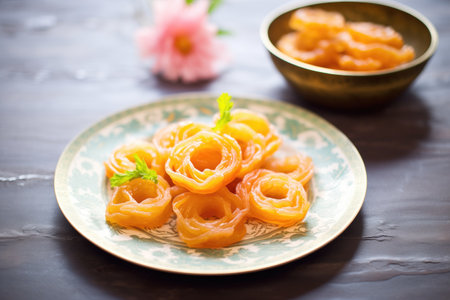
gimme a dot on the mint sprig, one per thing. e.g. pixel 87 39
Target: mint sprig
pixel 225 106
pixel 141 171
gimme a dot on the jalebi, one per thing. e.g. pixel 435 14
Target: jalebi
pixel 366 32
pixel 347 62
pixel 122 159
pixel 274 197
pixel 167 137
pixel 388 56
pixel 210 221
pixel 313 19
pixel 140 203
pixel 205 162
pixel 323 54
pixel 261 125
pixel 251 143
pixel 299 166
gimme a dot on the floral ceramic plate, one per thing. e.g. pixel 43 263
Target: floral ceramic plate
pixel 336 193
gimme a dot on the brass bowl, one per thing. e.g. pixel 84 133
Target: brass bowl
pixel 353 89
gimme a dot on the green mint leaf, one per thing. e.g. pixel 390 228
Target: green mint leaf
pixel 225 106
pixel 141 171
pixel 144 171
pixel 213 5
pixel 141 165
pixel 152 175
pixel 119 179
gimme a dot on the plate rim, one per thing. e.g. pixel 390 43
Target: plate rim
pixel 61 174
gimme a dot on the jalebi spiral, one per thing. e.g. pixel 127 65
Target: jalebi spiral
pixel 252 146
pixel 167 137
pixel 122 159
pixel 261 125
pixel 317 20
pixel 274 197
pixel 205 162
pixel 299 166
pixel 210 221
pixel 140 203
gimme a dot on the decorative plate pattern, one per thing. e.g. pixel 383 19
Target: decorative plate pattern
pixel 336 193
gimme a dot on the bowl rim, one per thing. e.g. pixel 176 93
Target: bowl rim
pixel 276 13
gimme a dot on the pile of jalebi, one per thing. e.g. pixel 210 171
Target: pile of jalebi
pixel 325 39
pixel 212 177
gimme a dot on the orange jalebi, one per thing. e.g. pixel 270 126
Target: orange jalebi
pixel 388 56
pixel 167 137
pixel 205 162
pixel 140 203
pixel 312 19
pixel 366 32
pixel 299 166
pixel 323 54
pixel 261 125
pixel 347 62
pixel 323 38
pixel 251 143
pixel 274 197
pixel 122 159
pixel 210 221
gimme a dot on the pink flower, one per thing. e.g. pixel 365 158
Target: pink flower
pixel 182 42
